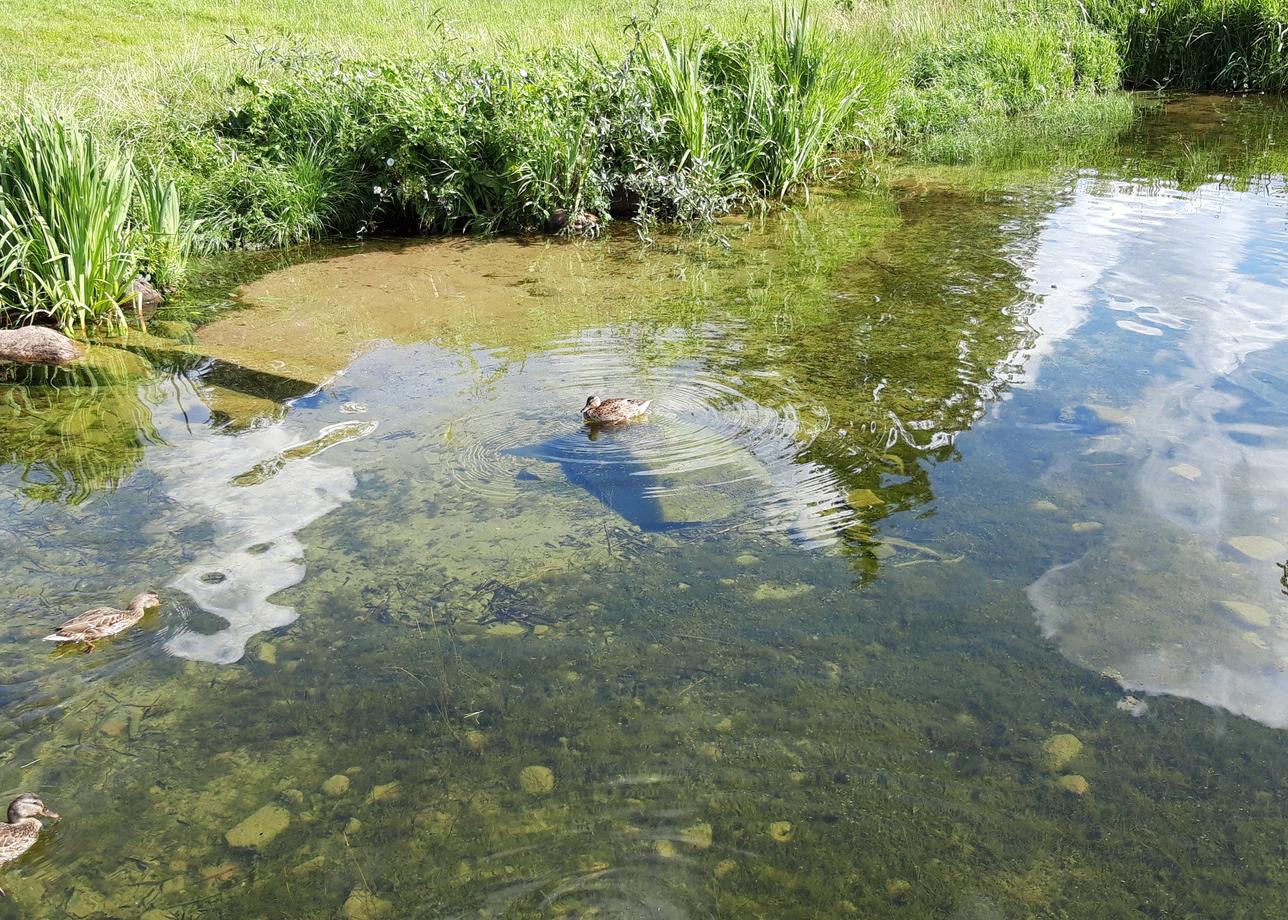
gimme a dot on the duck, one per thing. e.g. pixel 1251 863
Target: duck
pixel 610 411
pixel 22 829
pixel 102 622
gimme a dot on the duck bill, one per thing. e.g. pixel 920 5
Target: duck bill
pixel 46 813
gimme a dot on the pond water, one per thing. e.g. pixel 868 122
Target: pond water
pixel 944 577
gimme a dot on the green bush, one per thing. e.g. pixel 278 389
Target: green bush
pixel 684 129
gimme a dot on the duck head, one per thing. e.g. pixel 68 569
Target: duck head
pixel 146 601
pixel 592 402
pixel 28 805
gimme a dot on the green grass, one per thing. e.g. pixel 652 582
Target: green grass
pixel 1222 45
pixel 279 122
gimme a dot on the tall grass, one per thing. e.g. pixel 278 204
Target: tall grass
pixel 65 256
pixel 1221 45
pixel 679 127
pixel 167 238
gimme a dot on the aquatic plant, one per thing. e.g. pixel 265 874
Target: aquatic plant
pixel 64 204
pixel 167 239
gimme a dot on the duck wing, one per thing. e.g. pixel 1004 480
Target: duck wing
pixel 619 409
pixel 16 839
pixel 98 621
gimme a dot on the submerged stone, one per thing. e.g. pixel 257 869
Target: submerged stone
pixel 337 785
pixel 384 792
pixel 310 865
pixel 259 829
pixel 1045 506
pixel 694 506
pixel 475 740
pixel 537 780
pixel 1111 416
pixel 1185 471
pixel 768 592
pixel 698 835
pixel 1251 614
pixel 85 902
pixel 780 831
pixel 1262 549
pixel 507 630
pixel 1059 750
pixel 898 888
pixel 1087 526
pixel 858 499
pixel 1074 784
pixel 267 653
pixel 363 905
pixel 117 723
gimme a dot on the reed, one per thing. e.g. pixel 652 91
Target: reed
pixel 65 256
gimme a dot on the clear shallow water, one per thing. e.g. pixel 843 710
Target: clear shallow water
pixel 932 479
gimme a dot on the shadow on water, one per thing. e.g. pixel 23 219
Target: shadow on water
pixel 844 627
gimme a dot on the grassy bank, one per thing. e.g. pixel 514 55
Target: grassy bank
pixel 307 119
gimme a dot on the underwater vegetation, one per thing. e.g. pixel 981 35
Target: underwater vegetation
pixel 432 648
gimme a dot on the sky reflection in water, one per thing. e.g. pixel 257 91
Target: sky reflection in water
pixel 777 642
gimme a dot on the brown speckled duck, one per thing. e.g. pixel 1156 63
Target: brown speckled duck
pixel 611 411
pixel 22 829
pixel 102 622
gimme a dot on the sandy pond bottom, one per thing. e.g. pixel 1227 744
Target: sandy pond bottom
pixel 942 580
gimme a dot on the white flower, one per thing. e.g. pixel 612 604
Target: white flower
pixel 378 189
pixel 1142 11
pixel 389 161
pixel 523 74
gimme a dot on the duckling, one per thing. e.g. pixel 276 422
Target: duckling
pixel 102 622
pixel 610 411
pixel 22 829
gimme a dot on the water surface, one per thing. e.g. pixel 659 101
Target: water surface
pixel 943 579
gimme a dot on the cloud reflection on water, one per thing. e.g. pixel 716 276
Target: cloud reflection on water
pixel 1191 292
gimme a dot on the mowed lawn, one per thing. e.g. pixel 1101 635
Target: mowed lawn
pixel 84 47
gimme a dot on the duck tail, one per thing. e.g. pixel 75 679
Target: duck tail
pixel 645 405
pixel 55 637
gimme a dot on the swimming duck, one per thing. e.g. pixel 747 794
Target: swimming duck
pixel 610 411
pixel 102 622
pixel 22 829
